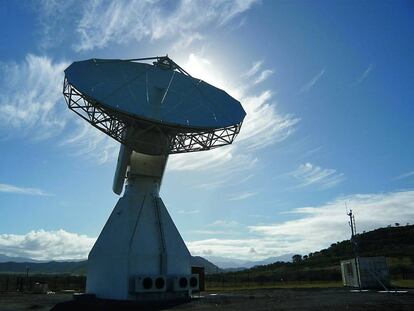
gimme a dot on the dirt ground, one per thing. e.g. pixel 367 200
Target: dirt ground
pixel 273 299
pixel 304 299
pixel 20 301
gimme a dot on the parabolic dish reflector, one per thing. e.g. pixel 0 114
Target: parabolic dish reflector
pixel 148 105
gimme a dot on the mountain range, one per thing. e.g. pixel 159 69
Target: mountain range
pixel 10 264
pixel 233 264
pixel 5 258
pixel 211 264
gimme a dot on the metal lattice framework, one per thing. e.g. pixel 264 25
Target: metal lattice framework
pixel 116 125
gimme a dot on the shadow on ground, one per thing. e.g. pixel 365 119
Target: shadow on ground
pixel 112 305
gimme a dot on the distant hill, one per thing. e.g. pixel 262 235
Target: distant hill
pixel 227 263
pixel 282 258
pixel 390 242
pixel 395 243
pixel 5 258
pixel 55 267
pixel 209 267
pixel 233 264
pixel 73 267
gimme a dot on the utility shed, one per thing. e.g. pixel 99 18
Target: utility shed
pixel 365 272
pixel 201 276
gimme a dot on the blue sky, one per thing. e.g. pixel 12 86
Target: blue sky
pixel 327 86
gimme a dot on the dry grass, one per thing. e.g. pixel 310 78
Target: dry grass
pixel 218 286
pixel 403 283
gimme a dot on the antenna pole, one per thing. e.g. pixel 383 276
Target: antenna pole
pixel 354 244
pixel 352 224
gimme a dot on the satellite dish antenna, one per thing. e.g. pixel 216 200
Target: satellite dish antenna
pixel 153 110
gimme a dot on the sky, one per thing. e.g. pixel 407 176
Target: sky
pixel 327 87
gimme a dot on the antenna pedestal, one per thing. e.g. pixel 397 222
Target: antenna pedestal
pixel 139 241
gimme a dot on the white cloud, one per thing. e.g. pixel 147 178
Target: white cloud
pixel 86 141
pixel 254 69
pixel 316 227
pixel 213 184
pixel 244 179
pixel 31 98
pixel 263 76
pixel 263 125
pixel 311 175
pixel 307 86
pixel 103 23
pixel 181 23
pixel 46 245
pixel 231 248
pixel 22 190
pixel 52 14
pixel 32 105
pixel 322 225
pixel 365 74
pixel 242 196
pixel 184 42
pixel 223 223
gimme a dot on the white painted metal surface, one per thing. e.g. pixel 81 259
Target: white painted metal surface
pixel 365 272
pixel 121 168
pixel 139 237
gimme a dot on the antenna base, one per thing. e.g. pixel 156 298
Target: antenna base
pixel 139 242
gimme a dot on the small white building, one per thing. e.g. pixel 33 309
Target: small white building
pixel 365 272
pixel 40 288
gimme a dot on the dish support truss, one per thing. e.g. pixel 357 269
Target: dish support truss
pixel 116 124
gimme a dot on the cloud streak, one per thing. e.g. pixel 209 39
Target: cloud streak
pixel 32 104
pixel 263 76
pixel 180 23
pixel 365 74
pixel 404 176
pixel 122 22
pixel 242 196
pixel 31 92
pixel 254 69
pixel 6 188
pixel 263 125
pixel 311 83
pixel 311 175
pixel 90 143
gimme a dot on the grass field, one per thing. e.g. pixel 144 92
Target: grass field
pixel 278 299
pixel 218 286
pixel 403 283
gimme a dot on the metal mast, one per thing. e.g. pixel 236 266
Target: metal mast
pixel 354 244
